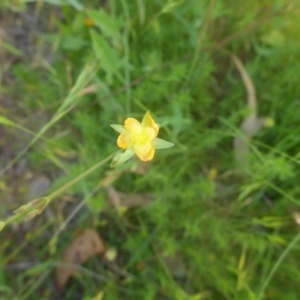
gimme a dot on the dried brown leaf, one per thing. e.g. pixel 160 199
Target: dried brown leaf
pixel 110 177
pixel 135 200
pixel 118 199
pixel 113 197
pixel 88 90
pixel 252 124
pixel 86 245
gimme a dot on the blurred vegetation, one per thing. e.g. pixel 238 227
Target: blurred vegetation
pixel 215 217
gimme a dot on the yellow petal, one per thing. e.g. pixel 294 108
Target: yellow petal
pixel 132 125
pixel 149 122
pixel 145 152
pixel 150 133
pixel 124 140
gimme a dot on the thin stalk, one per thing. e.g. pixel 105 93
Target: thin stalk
pixel 84 174
pixel 127 56
pixel 277 264
pixel 22 215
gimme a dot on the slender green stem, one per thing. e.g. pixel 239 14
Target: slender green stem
pixel 277 264
pixel 14 218
pixel 282 192
pixel 84 174
pixel 127 56
pixel 20 216
pixel 68 104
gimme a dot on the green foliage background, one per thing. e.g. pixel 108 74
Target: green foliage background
pixel 227 233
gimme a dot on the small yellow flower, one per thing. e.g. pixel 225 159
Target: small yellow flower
pixel 89 22
pixel 139 138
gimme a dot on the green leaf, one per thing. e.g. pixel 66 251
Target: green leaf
pixel 10 48
pixel 162 144
pixel 5 121
pixel 110 26
pixel 170 6
pixel 2 224
pixel 118 128
pixel 106 54
pixel 76 4
pixel 71 42
pixel 274 38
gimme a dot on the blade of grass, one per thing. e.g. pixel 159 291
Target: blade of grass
pixel 277 264
pixel 127 54
pixel 69 103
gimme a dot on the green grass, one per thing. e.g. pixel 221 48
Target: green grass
pixel 229 229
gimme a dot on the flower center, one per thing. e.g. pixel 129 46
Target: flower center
pixel 139 139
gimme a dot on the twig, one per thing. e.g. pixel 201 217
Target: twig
pixel 247 80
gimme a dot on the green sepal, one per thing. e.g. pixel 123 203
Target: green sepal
pixel 145 119
pixel 122 157
pixel 118 128
pixel 162 144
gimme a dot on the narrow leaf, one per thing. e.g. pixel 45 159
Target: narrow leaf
pixel 162 144
pixel 5 121
pixel 109 25
pixel 2 224
pixel 76 4
pixel 10 48
pixel 118 128
pixel 106 53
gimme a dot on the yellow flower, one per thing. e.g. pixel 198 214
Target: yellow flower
pixel 139 138
pixel 89 22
